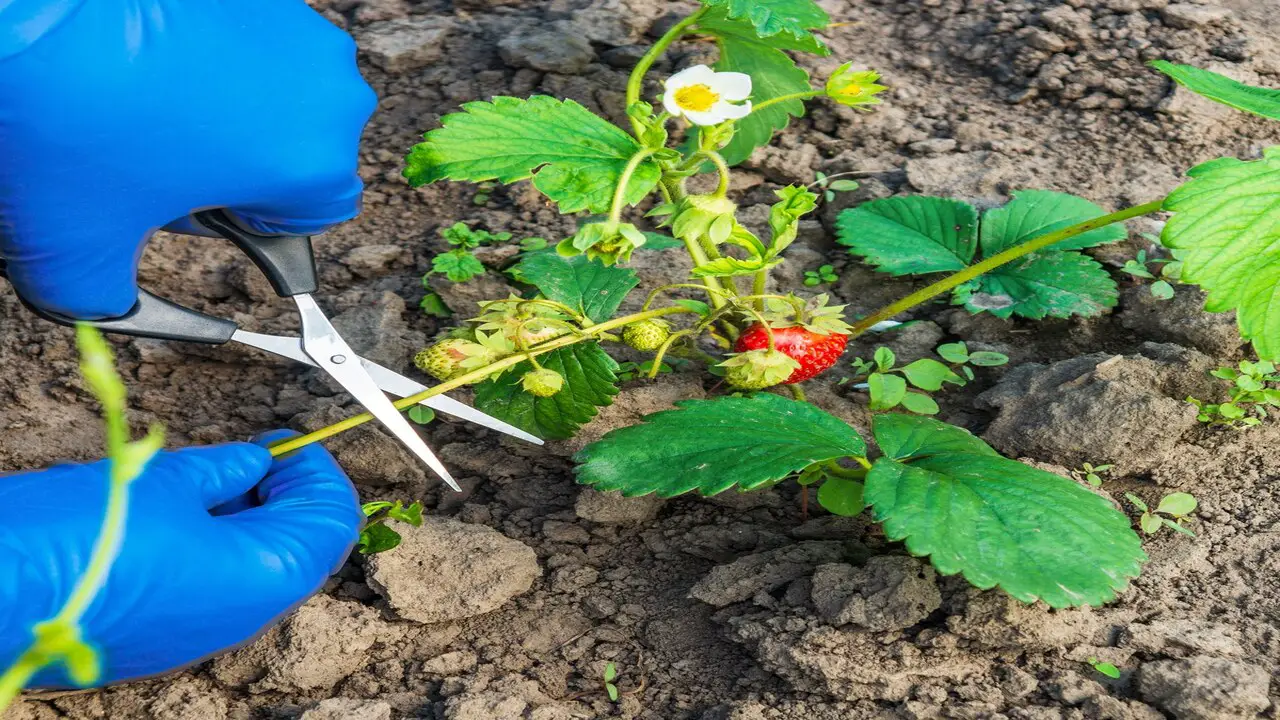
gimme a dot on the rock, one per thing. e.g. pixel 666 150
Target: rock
pixel 319 646
pixel 612 508
pixel 1129 411
pixel 762 572
pixel 400 46
pixel 348 709
pixel 1187 15
pixel 785 165
pixel 449 570
pixel 1182 319
pixel 888 593
pixel 1180 638
pixel 369 261
pixel 1203 688
pixel 189 698
pixel 371 11
pixel 555 49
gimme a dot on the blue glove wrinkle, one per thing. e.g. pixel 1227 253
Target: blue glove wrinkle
pixel 134 113
pixel 186 585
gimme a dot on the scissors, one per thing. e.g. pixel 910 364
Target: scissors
pixel 289 263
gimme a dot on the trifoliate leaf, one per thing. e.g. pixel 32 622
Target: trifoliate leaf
pixel 1043 284
pixel 1034 534
pixel 574 156
pixel 713 445
pixel 770 17
pixel 457 265
pixel 590 382
pixel 1226 231
pixel 585 285
pixel 773 74
pixel 1033 213
pixel 911 235
pixel 1222 89
pixel 841 496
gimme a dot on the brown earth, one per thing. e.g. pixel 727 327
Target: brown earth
pixel 734 607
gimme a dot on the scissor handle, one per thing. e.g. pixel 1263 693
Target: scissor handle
pixel 288 261
pixel 151 317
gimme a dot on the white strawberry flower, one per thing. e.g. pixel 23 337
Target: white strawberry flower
pixel 707 97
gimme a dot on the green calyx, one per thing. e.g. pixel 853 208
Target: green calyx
pixel 758 369
pixel 542 382
pixel 452 357
pixel 854 88
pixel 703 215
pixel 611 242
pixel 813 315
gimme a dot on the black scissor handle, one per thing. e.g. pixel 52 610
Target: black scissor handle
pixel 287 260
pixel 151 317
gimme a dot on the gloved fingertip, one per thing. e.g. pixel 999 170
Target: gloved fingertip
pixel 219 473
pixel 270 437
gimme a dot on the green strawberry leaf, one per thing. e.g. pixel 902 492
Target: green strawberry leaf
pixel 773 74
pixel 1034 534
pixel 1226 232
pixel 590 382
pixel 588 286
pixel 574 157
pixel 1222 89
pixel 1033 213
pixel 713 445
pixel 911 235
pixel 1039 285
pixel 770 17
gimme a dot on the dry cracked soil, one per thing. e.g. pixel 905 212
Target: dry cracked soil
pixel 510 600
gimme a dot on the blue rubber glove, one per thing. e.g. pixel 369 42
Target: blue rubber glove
pixel 120 117
pixel 186 584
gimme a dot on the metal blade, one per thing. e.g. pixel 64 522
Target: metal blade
pixel 326 348
pixel 390 381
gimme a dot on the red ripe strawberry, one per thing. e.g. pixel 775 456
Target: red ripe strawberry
pixel 814 351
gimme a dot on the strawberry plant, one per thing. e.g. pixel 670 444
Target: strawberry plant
pixel 537 359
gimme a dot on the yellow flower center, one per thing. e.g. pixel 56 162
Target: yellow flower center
pixel 698 98
pixel 851 90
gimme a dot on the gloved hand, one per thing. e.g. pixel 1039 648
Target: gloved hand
pixel 186 584
pixel 119 117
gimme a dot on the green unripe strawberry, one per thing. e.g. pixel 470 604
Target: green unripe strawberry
pixel 452 357
pixel 542 382
pixel 646 335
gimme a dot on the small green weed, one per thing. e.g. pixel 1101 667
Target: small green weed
pixel 1255 386
pixel 1092 474
pixel 1161 288
pixel 830 185
pixel 460 264
pixel 1105 668
pixel 823 275
pixel 888 385
pixel 376 536
pixel 1171 512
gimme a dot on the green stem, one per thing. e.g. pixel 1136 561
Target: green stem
pixel 785 98
pixel 721 167
pixel 797 392
pixel 834 468
pixel 653 294
pixel 18 675
pixel 577 316
pixel 758 287
pixel 620 192
pixel 953 281
pixel 475 376
pixel 714 289
pixel 635 83
pixel 662 351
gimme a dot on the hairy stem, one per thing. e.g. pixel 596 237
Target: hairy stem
pixel 785 98
pixel 662 351
pixel 475 376
pixel 714 288
pixel 620 192
pixel 758 287
pixel 953 281
pixel 797 392
pixel 635 83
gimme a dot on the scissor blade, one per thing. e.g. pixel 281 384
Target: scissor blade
pixel 390 381
pixel 401 386
pixel 326 348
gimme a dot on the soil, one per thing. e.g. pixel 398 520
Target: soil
pixel 511 600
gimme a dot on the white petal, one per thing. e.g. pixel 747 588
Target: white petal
pixel 729 111
pixel 710 117
pixel 732 85
pixel 669 102
pixel 696 75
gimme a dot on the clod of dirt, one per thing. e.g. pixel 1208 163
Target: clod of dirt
pixel 189 698
pixel 464 298
pixel 888 593
pixel 378 331
pixel 449 570
pixel 995 620
pixel 1202 688
pixel 405 45
pixel 974 174
pixel 369 455
pixel 348 709
pixel 555 49
pixel 762 572
pixel 322 644
pixel 509 698
pixel 369 261
pixel 612 508
pixel 1180 320
pixel 1099 408
pixel 1182 638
